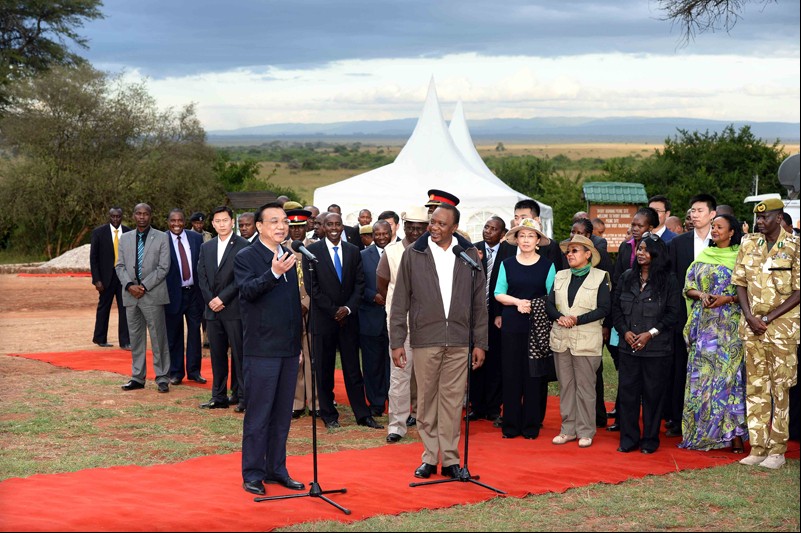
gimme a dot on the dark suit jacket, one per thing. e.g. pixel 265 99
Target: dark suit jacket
pixel 681 251
pixel 174 275
pixel 219 280
pixel 504 250
pixel 668 236
pixel 328 294
pixel 353 236
pixel 101 254
pixel 599 242
pixel 270 306
pixel 372 317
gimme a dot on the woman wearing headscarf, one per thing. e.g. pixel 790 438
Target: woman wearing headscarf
pixel 521 279
pixel 645 309
pixel 714 399
pixel 579 302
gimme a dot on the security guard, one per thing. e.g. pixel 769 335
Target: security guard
pixel 437 197
pixel 767 278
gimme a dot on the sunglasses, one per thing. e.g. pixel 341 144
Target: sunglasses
pixel 648 235
pixel 575 251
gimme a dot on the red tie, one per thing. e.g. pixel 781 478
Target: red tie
pixel 185 274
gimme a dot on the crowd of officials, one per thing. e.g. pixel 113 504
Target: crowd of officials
pixel 700 319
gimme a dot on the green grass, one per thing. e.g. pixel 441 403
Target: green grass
pixel 12 257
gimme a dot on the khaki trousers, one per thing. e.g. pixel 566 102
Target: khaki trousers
pixel 441 374
pixel 576 375
pixel 303 385
pixel 399 395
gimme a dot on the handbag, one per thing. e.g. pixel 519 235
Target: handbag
pixel 540 356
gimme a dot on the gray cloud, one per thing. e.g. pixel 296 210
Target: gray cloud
pixel 190 36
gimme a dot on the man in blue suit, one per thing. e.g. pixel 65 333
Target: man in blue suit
pixel 373 337
pixel 186 301
pixel 661 205
pixel 269 302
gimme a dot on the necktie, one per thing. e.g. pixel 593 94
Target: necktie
pixel 185 273
pixel 490 262
pixel 140 254
pixel 337 264
pixel 116 244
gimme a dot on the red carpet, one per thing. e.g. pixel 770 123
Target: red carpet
pixel 205 494
pixel 56 275
pixel 119 361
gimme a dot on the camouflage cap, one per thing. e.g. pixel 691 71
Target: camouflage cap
pixel 771 204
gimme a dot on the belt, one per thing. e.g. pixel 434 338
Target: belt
pixel 188 287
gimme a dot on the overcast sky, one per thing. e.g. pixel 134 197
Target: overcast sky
pixel 252 62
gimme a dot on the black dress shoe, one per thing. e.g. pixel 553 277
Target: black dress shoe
pixel 673 432
pixel 126 347
pixel 198 379
pixel 176 381
pixel 133 385
pixel 621 449
pixel 254 487
pixel 394 437
pixel 411 421
pixel 472 416
pixel 497 422
pixel 670 424
pixel 214 404
pixel 316 413
pixel 452 471
pixel 240 407
pixel 297 413
pixel 288 483
pixel 613 427
pixel 332 425
pixel 370 423
pixel 425 470
pixel 104 344
pixel 164 387
pixel 648 452
pixel 611 414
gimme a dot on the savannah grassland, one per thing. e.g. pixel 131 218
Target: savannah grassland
pixel 306 181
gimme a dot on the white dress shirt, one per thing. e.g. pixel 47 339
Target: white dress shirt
pixel 700 243
pixel 444 261
pixel 221 244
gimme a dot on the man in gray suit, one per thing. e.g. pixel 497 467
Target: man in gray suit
pixel 142 266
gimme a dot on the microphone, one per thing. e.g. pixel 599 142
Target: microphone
pixel 458 251
pixel 298 247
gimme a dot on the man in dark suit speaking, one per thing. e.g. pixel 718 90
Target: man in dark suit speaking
pixel 103 252
pixel 334 322
pixel 269 300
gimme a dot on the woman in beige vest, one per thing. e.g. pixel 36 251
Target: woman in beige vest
pixel 578 303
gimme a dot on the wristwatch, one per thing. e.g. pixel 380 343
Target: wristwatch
pixel 765 319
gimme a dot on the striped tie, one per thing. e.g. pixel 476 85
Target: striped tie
pixel 490 263
pixel 140 254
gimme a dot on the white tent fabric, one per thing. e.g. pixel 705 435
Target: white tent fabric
pixel 464 142
pixel 429 160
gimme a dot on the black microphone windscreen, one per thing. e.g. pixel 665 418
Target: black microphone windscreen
pixel 457 250
pixel 296 245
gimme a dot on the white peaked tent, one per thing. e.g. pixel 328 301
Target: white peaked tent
pixel 464 142
pixel 429 160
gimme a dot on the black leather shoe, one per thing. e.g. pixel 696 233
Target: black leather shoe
pixel 126 347
pixel 370 423
pixel 254 487
pixel 176 381
pixel 232 400
pixel 297 413
pixel 164 387
pixel 673 432
pixel 133 385
pixel 104 344
pixel 332 425
pixel 288 483
pixel 393 437
pixel 647 452
pixel 670 424
pixel 240 407
pixel 214 404
pixel 198 379
pixel 611 414
pixel 497 422
pixel 472 416
pixel 411 421
pixel 613 427
pixel 621 449
pixel 451 471
pixel 425 470
pixel 316 413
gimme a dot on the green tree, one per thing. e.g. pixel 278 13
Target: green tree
pixel 722 164
pixel 81 142
pixel 233 174
pixel 35 36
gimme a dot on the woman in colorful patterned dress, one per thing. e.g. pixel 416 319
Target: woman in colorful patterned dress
pixel 714 400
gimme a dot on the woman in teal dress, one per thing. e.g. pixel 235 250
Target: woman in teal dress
pixel 714 399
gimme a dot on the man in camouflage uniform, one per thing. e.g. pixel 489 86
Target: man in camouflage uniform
pixel 767 280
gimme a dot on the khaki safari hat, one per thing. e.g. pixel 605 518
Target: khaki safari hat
pixel 415 213
pixel 584 241
pixel 771 204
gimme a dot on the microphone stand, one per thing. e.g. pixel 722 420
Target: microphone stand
pixel 464 473
pixel 315 491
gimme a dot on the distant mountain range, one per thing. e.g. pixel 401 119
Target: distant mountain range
pixel 551 129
